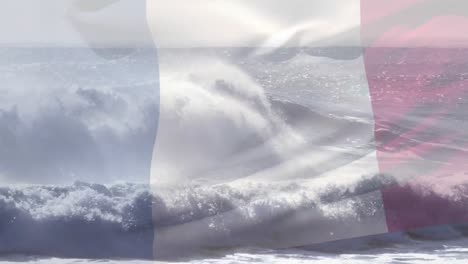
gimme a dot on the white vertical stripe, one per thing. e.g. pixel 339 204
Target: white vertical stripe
pixel 242 103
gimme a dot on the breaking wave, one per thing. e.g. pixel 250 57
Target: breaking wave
pixel 120 220
pixel 80 220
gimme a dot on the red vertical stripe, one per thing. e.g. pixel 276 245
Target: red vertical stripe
pixel 416 60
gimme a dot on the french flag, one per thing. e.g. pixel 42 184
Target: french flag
pixel 279 124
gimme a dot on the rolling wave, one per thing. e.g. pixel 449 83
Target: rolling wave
pixel 121 220
pixel 79 220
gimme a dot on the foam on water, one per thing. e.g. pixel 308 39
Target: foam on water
pixel 119 221
pixel 416 253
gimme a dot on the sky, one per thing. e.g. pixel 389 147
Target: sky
pixel 74 23
pixel 308 23
pixel 186 23
pixel 204 23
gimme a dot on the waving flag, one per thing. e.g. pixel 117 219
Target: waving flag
pixel 172 129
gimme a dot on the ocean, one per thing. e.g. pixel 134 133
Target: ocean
pixel 78 158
